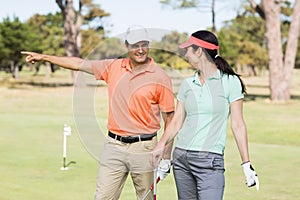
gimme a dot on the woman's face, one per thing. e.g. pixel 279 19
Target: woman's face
pixel 193 56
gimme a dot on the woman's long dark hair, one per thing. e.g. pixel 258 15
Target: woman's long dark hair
pixel 220 62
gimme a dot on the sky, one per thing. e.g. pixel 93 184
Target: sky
pixel 149 13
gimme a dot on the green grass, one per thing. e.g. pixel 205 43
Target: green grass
pixel 32 119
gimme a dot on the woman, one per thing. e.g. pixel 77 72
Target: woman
pixel 204 103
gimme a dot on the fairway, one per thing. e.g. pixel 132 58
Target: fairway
pixel 34 110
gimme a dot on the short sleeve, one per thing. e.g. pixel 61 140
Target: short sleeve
pixel 235 89
pixel 101 69
pixel 166 97
pixel 181 95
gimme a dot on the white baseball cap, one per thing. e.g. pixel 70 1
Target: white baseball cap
pixel 136 33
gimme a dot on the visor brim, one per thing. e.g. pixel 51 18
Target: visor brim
pixel 185 45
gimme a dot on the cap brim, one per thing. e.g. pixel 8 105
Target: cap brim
pixel 185 45
pixel 136 40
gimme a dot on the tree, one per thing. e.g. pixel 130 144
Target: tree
pixel 73 20
pixel 105 48
pixel 280 64
pixel 167 53
pixel 72 25
pixel 49 29
pixel 49 32
pixel 14 36
pixel 242 42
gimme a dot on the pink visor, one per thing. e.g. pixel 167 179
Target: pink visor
pixel 201 43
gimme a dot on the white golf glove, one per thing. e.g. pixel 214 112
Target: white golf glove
pixel 250 174
pixel 163 169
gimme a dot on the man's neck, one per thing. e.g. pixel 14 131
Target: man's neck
pixel 135 65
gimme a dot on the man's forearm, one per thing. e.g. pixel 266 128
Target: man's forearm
pixel 169 145
pixel 72 63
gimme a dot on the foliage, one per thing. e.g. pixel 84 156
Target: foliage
pixel 105 48
pixel 73 21
pixel 181 3
pixel 14 36
pixel 93 30
pixel 242 41
pixel 45 34
pixel 280 63
pixel 167 53
pixel 93 15
pixel 286 8
pixel 89 37
pixel 48 29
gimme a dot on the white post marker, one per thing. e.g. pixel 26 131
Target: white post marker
pixel 67 132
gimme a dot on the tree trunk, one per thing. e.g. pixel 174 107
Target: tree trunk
pixel 273 35
pixel 213 16
pixel 15 70
pixel 280 69
pixel 291 47
pixel 70 37
pixel 72 24
pixel 48 69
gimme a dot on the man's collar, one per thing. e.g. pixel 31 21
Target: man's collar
pixel 149 66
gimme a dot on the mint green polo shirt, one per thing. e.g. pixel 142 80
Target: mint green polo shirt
pixel 207 111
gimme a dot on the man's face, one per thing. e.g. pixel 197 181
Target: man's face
pixel 138 52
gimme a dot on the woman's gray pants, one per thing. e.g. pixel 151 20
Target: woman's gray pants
pixel 198 175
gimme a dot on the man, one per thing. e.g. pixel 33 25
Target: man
pixel 139 93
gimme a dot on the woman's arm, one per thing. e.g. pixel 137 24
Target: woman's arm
pixel 240 133
pixel 169 133
pixel 239 129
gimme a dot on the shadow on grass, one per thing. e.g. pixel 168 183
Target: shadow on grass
pixel 19 84
pixel 46 84
pixel 254 97
pixel 257 86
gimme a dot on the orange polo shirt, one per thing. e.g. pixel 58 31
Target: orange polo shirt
pixel 137 97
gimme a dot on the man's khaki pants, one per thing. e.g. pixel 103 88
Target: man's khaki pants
pixel 117 161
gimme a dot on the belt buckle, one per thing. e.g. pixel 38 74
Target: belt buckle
pixel 126 139
pixel 121 139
